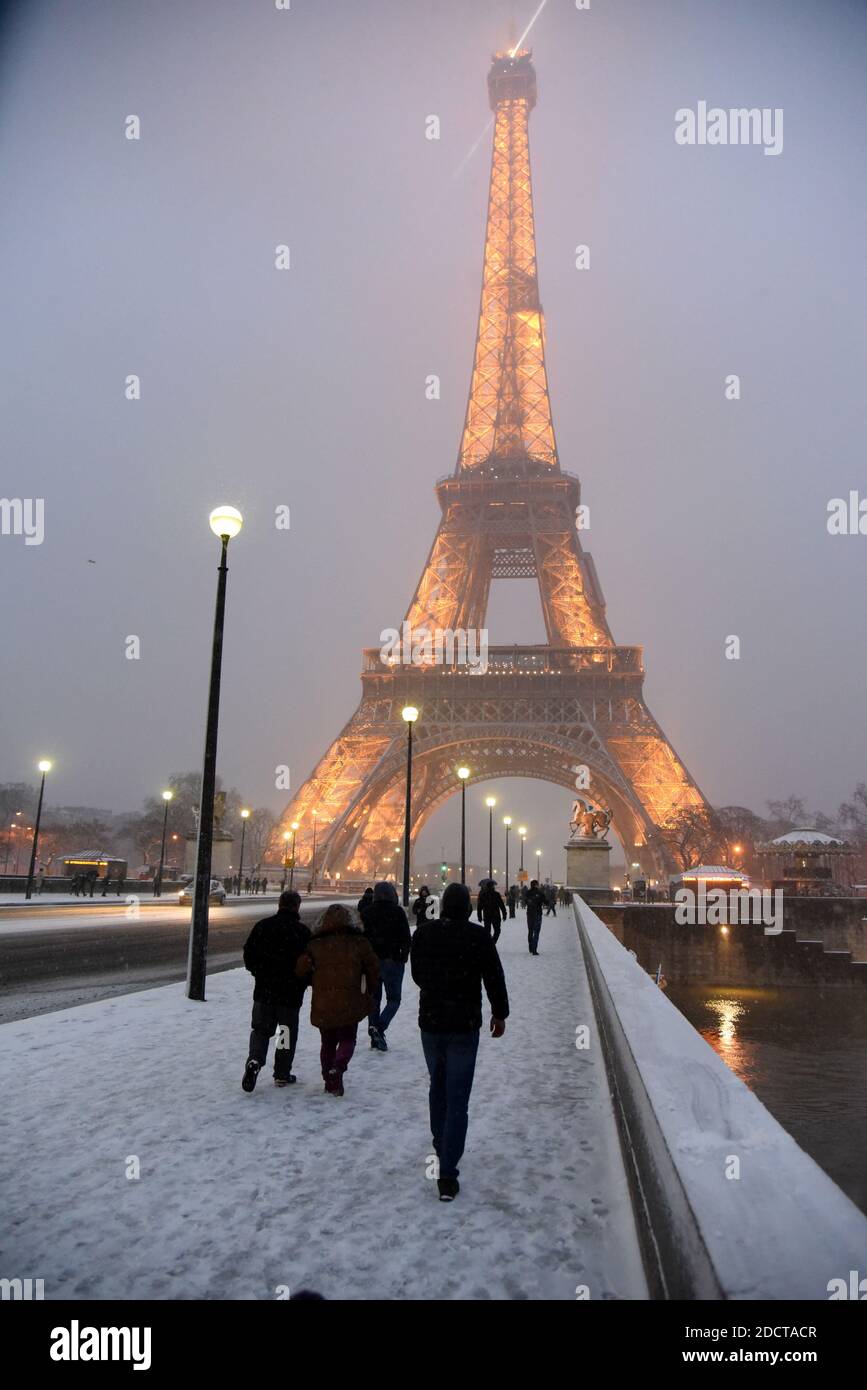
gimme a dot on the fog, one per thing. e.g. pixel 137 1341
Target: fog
pixel 305 387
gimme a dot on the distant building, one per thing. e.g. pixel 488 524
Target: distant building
pixel 707 878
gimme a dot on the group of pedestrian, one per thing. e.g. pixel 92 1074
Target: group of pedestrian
pixel 233 884
pixel 84 883
pixel 349 965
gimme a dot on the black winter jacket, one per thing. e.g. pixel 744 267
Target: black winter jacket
pixel 450 963
pixel 490 907
pixel 535 903
pixel 270 953
pixel 387 929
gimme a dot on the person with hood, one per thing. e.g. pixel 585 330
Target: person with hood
pixel 387 930
pixel 344 971
pixel 535 903
pixel 512 898
pixel 364 902
pixel 451 960
pixel 270 954
pixel 420 905
pixel 490 908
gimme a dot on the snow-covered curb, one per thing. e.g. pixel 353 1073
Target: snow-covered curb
pixel 735 1208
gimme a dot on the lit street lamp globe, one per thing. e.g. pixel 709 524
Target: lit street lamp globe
pixel 225 521
pixel 409 713
pixel 44 764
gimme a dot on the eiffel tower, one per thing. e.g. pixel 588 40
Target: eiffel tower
pixel 508 512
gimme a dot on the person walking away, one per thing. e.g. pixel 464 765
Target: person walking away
pixel 271 953
pixel 550 900
pixel 387 929
pixel 364 902
pixel 92 876
pixel 490 909
pixel 264 885
pixel 450 961
pixel 535 903
pixel 344 971
pixel 419 907
pixel 512 897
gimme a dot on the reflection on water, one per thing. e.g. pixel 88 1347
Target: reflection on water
pixel 804 1053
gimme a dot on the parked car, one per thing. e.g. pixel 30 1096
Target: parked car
pixel 216 895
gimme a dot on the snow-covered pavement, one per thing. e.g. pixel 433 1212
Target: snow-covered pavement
pixel 240 1195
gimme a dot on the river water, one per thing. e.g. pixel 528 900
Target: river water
pixel 804 1053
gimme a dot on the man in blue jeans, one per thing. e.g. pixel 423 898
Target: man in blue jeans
pixel 387 929
pixel 450 960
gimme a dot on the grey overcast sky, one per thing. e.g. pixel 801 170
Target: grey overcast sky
pixel 307 126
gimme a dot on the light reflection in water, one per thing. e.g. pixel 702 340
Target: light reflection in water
pixel 804 1053
pixel 724 1035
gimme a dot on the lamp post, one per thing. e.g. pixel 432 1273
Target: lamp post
pixel 158 881
pixel 539 865
pixel 507 822
pixel 245 816
pixel 292 865
pixel 313 856
pixel 287 836
pixel 490 802
pixel 522 831
pixel 463 773
pixel 225 522
pixel 44 766
pixel 410 715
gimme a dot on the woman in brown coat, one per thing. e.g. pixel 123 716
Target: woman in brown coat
pixel 344 971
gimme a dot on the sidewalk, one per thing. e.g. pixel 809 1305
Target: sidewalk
pixel 239 1194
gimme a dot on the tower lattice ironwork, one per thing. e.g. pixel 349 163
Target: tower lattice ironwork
pixel 508 511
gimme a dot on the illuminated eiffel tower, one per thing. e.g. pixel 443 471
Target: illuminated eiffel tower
pixel 508 511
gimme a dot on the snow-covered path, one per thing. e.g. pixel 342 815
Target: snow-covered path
pixel 239 1195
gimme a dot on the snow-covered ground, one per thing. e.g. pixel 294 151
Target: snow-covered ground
pixel 240 1195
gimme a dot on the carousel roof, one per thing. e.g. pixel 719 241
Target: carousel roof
pixel 711 871
pixel 806 837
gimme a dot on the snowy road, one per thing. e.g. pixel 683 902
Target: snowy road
pixel 56 957
pixel 239 1195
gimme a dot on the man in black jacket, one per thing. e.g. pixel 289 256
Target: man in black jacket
pixel 535 903
pixel 451 960
pixel 270 953
pixel 490 908
pixel 387 929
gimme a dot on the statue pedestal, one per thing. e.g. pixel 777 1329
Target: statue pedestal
pixel 221 855
pixel 588 866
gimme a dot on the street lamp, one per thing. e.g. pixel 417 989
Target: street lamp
pixel 44 766
pixel 463 773
pixel 409 714
pixel 158 881
pixel 287 836
pixel 522 831
pixel 292 865
pixel 225 522
pixel 490 802
pixel 245 816
pixel 539 865
pixel 507 822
